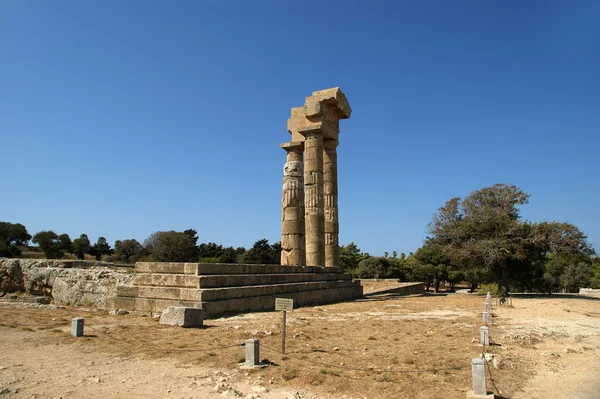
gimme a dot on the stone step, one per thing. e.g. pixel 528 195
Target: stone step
pixel 150 305
pixel 178 294
pixel 239 280
pixel 226 268
pixel 218 294
pixel 166 280
pixel 166 267
pixel 267 302
pixel 230 280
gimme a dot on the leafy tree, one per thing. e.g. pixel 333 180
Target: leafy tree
pixel 485 229
pixel 81 246
pixel 172 246
pixel 595 280
pixel 100 248
pixel 50 243
pixel 436 261
pixel 372 267
pixel 128 250
pixel 349 257
pixel 263 253
pixel 192 234
pixel 66 244
pixel 575 276
pixel 12 236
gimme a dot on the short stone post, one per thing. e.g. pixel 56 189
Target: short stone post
pixel 478 376
pixel 484 336
pixel 252 352
pixel 489 296
pixel 77 327
pixel 487 317
pixel 487 307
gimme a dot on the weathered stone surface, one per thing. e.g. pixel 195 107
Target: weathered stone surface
pixel 182 316
pixel 67 282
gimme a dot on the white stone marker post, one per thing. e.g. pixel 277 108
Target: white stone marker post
pixel 77 327
pixel 478 376
pixel 252 352
pixel 487 318
pixel 484 336
pixel 487 307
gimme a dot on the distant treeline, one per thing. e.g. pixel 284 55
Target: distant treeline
pixel 162 246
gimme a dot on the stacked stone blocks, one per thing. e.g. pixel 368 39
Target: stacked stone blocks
pixel 224 288
pixel 314 128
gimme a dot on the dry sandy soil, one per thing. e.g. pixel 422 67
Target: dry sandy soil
pixel 385 347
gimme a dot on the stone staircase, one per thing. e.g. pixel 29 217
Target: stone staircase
pixel 232 288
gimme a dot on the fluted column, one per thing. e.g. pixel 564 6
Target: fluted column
pixel 293 251
pixel 313 192
pixel 330 193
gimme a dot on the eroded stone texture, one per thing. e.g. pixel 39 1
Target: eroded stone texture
pixel 330 194
pixel 292 207
pixel 314 202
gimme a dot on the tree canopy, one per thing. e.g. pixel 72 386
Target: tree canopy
pixel 485 230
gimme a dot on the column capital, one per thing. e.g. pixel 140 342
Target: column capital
pixel 316 129
pixel 293 146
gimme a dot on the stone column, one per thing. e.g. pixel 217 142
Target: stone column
pixel 330 192
pixel 313 191
pixel 293 249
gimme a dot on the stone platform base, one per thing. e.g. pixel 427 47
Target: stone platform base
pixel 232 288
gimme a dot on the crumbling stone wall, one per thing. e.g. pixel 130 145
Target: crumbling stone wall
pixel 67 282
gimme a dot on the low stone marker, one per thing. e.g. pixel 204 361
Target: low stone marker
pixel 487 318
pixel 253 352
pixel 479 390
pixel 484 336
pixel 182 316
pixel 487 307
pixel 77 327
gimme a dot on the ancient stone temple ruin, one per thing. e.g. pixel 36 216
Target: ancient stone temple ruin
pixel 310 226
pixel 309 272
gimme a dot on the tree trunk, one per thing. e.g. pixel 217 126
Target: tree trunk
pixel 504 283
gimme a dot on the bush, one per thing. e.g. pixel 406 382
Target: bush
pixel 483 289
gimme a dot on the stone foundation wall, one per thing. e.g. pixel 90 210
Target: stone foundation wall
pixel 67 282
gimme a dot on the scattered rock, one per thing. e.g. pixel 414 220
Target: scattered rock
pixel 259 388
pixel 335 348
pixel 118 312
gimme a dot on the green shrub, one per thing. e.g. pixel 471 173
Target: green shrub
pixel 483 289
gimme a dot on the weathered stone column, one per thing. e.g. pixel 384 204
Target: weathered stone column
pixel 313 191
pixel 330 193
pixel 293 249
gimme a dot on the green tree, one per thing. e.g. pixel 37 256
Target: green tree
pixel 485 229
pixel 100 248
pixel 192 234
pixel 576 276
pixel 171 246
pixel 436 261
pixel 50 244
pixel 129 250
pixel 12 236
pixel 81 246
pixel 349 257
pixel 372 267
pixel 263 253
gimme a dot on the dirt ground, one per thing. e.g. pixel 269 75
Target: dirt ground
pixel 380 347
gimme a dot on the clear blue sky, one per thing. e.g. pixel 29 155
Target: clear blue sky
pixel 122 118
